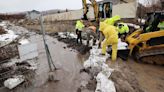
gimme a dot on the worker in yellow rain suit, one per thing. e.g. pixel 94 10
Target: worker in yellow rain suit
pixel 112 20
pixel 111 38
pixel 109 21
pixel 79 27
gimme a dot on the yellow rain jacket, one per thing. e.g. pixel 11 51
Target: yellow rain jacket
pixel 111 38
pixel 123 28
pixel 112 20
pixel 79 25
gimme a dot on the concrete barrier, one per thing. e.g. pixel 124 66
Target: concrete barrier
pixel 127 10
pixel 71 15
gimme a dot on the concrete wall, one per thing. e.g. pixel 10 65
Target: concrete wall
pixel 71 15
pixel 127 10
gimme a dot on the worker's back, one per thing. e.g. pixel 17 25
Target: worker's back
pixel 109 32
pixel 93 28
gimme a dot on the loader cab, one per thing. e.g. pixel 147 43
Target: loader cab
pixel 153 21
pixel 105 9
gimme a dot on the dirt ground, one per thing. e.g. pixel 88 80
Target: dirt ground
pixel 2 31
pixel 49 26
pixel 71 43
pixel 150 76
pixel 137 77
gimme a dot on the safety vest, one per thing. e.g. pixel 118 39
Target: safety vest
pixel 79 25
pixel 122 28
pixel 161 25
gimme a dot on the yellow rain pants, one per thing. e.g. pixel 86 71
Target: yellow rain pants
pixel 111 38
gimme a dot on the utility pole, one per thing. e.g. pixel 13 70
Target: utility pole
pixel 49 58
pixel 45 44
pixel 48 54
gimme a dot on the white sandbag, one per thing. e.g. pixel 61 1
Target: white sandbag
pixel 24 41
pixel 106 70
pixel 95 59
pixel 104 84
pixel 122 45
pixel 96 62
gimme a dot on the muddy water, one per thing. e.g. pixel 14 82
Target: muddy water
pixel 69 65
pixel 150 77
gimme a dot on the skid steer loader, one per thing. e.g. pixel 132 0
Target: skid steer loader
pixel 147 45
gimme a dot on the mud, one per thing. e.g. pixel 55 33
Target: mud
pixel 8 51
pixel 155 60
pixel 125 80
pixel 17 69
pixel 123 77
pixel 2 31
pixel 87 83
pixel 71 43
pixel 150 77
pixel 4 74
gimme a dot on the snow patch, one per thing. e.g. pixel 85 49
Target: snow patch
pixel 24 41
pixel 13 82
pixel 67 35
pixel 8 37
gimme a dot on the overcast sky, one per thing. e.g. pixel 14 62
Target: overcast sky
pixel 27 5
